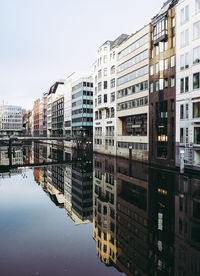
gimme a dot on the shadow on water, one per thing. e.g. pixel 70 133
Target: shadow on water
pixel 145 221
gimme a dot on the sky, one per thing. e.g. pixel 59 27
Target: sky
pixel 43 41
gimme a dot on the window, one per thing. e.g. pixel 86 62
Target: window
pixel 196 30
pixel 105 59
pixel 99 86
pixel 105 98
pixel 157 50
pixel 99 99
pixel 161 84
pixel 196 55
pixel 99 74
pixel 105 86
pixel 195 80
pixel 184 61
pixel 197 135
pixel 186 111
pixel 184 14
pixel 112 70
pixel 184 38
pixel 159 29
pixel 196 110
pixel 112 97
pixel 172 81
pixel 161 44
pixel 172 61
pixel 151 70
pixel 166 45
pixel 112 83
pixel 181 135
pixel 157 86
pixel 181 111
pixel 166 63
pixel 184 85
pixel 197 5
pixel 165 82
pixel 157 68
pixel 105 72
pixel 151 87
pixel 173 41
pixel 173 22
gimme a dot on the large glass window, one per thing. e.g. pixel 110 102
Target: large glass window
pixel 133 61
pixel 137 44
pixel 196 30
pixel 196 110
pixel 159 29
pixel 133 75
pixel 197 135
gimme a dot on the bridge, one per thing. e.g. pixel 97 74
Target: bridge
pixel 38 138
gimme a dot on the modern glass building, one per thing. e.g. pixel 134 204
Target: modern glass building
pixel 82 107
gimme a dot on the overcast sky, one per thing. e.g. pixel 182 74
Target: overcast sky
pixel 46 40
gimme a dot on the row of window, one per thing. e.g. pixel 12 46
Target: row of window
pixel 184 111
pixel 184 38
pixel 162 84
pixel 81 93
pixel 162 65
pixel 133 75
pixel 133 103
pixel 135 45
pixel 82 119
pixel 133 89
pixel 184 16
pixel 82 110
pixel 184 135
pixel 81 84
pixel 135 146
pixel 105 72
pixel 105 85
pixel 162 46
pixel 133 61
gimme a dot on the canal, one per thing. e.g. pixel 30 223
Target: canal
pixel 82 213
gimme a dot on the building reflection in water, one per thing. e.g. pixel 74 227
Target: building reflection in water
pixel 104 208
pixel 145 221
pixel 69 186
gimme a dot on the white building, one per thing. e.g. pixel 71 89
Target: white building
pixel 10 119
pixel 104 110
pixel 188 81
pixel 132 95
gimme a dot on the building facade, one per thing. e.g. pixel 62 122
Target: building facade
pixel 36 118
pixel 132 95
pixel 82 107
pixel 104 127
pixel 10 120
pixel 162 82
pixel 57 117
pixel 188 84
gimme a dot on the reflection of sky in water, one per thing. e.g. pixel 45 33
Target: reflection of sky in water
pixel 38 238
